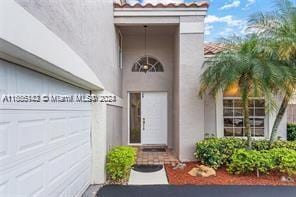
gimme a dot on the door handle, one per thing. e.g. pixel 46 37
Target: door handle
pixel 143 121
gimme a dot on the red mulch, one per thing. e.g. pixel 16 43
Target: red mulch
pixel 181 177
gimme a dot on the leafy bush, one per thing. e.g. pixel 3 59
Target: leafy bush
pixel 216 152
pixel 120 160
pixel 247 161
pixel 260 145
pixel 291 132
pixel 285 160
pixel 284 144
pixel 264 144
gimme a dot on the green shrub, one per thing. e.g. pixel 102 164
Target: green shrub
pixel 119 162
pixel 284 144
pixel 216 152
pixel 260 145
pixel 285 160
pixel 247 161
pixel 291 132
pixel 264 144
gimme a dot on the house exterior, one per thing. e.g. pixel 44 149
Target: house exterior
pixel 148 57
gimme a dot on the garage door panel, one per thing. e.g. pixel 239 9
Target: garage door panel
pixel 73 187
pixel 78 153
pixel 82 177
pixel 30 134
pixel 44 148
pixel 4 138
pixel 31 182
pixel 64 155
pixel 4 187
pixel 57 167
pixel 58 128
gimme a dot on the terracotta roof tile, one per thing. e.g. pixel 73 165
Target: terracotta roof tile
pixel 212 48
pixel 202 4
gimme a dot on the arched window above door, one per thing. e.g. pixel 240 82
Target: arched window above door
pixel 147 64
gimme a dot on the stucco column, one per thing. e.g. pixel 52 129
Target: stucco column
pixel 191 118
pixel 99 142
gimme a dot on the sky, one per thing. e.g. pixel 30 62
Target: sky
pixel 226 17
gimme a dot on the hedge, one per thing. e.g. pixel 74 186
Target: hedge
pixel 247 161
pixel 217 152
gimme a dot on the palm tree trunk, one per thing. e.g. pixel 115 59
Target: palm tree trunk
pixel 247 122
pixel 279 117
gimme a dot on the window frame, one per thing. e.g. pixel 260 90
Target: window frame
pixel 252 116
pixel 146 59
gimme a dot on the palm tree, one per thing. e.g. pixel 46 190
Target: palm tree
pixel 279 27
pixel 243 64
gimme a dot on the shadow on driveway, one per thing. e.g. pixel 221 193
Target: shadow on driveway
pixel 196 191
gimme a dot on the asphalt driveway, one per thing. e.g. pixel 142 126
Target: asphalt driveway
pixel 195 191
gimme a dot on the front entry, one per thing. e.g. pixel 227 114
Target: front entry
pixel 148 118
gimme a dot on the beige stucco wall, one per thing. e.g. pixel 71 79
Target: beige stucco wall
pixel 161 47
pixel 176 99
pixel 191 117
pixel 88 28
pixel 210 116
pixel 114 131
pixel 191 106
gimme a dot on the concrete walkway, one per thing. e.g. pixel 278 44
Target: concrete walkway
pixel 195 191
pixel 148 178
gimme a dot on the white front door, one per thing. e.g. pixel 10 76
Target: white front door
pixel 154 118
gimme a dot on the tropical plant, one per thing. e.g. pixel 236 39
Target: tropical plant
pixel 279 28
pixel 243 64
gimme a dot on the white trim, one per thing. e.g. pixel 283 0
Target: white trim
pixel 161 9
pixel 209 56
pixel 128 120
pixel 220 118
pixel 219 115
pixel 28 42
pixel 136 20
pixel 160 12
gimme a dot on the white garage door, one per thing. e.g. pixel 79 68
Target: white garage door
pixel 44 148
